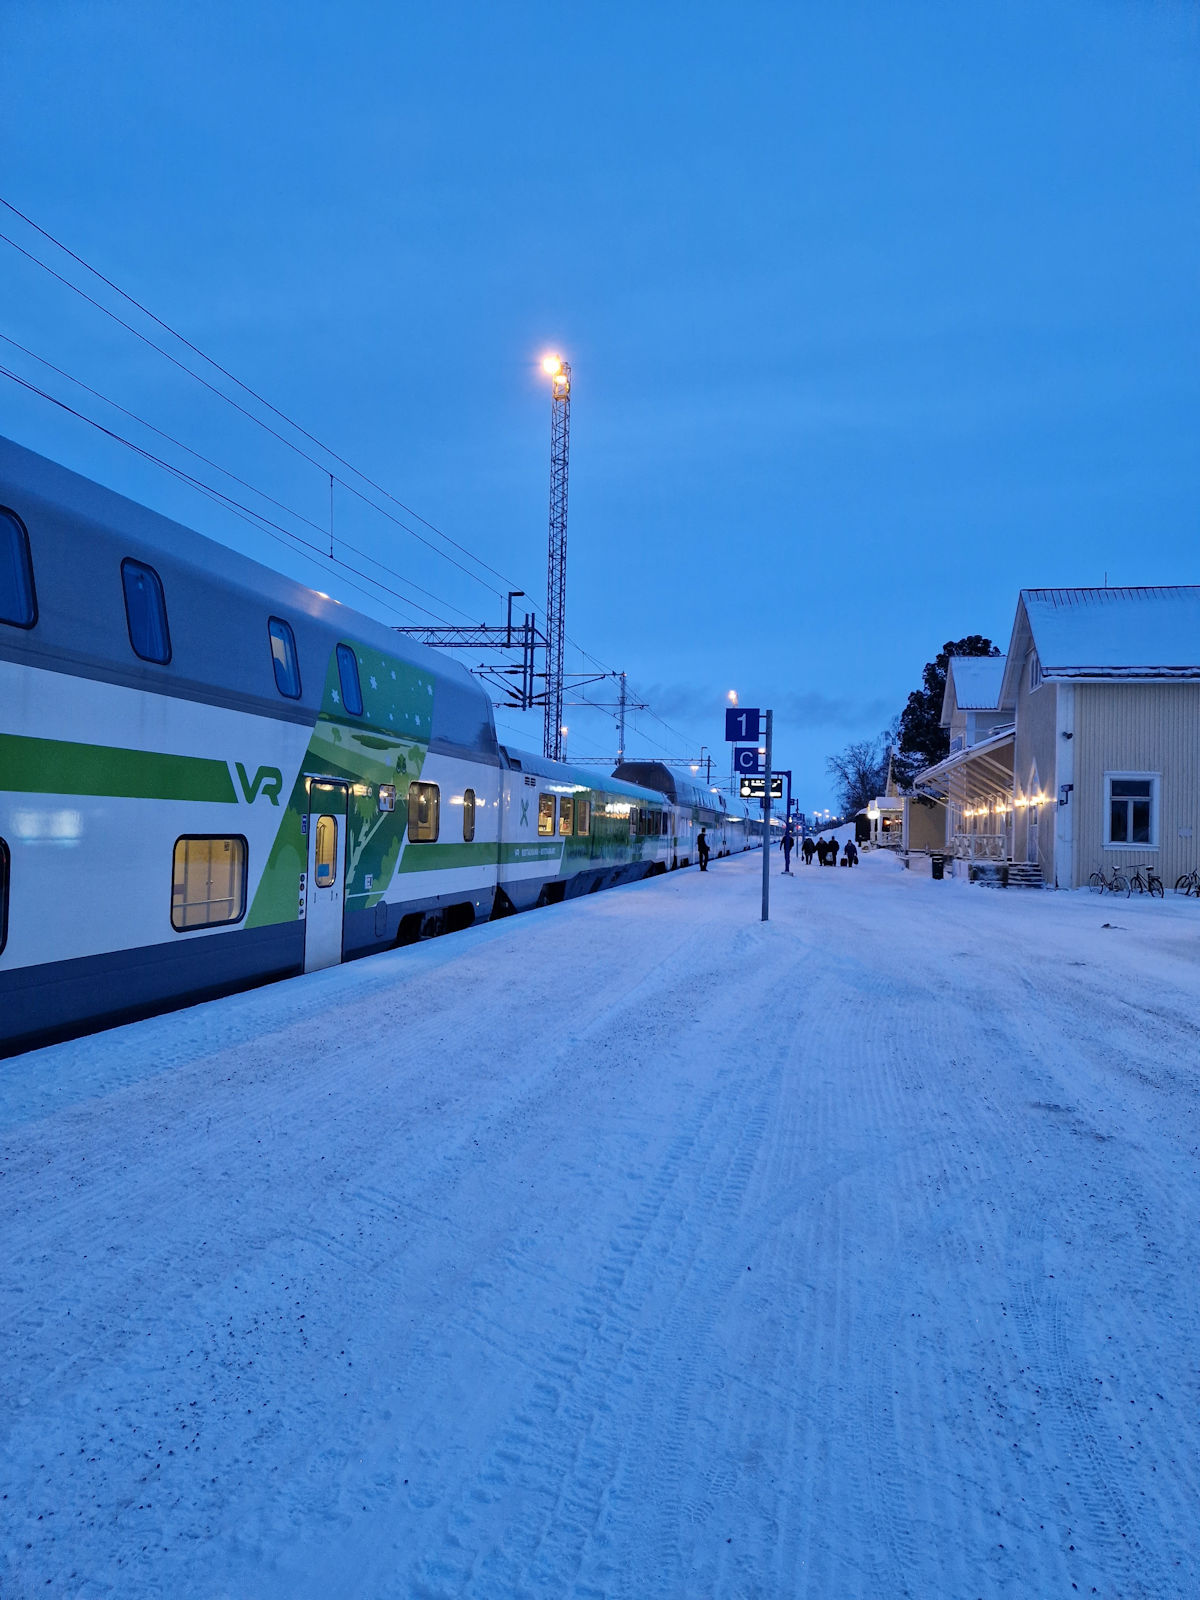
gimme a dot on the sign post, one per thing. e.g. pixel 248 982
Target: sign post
pixel 766 887
pixel 744 724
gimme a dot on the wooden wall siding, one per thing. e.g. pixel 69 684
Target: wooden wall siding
pixel 1138 727
pixel 1037 724
pixel 926 826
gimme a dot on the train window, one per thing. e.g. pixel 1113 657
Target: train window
pixel 208 884
pixel 325 854
pixel 5 860
pixel 146 612
pixel 468 814
pixel 583 815
pixel 424 812
pixel 284 658
pixel 566 813
pixel 18 603
pixel 348 677
pixel 545 813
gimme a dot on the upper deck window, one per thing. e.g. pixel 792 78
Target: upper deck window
pixel 284 658
pixel 18 603
pixel 146 612
pixel 348 676
pixel 545 814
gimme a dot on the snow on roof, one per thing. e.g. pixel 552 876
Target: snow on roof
pixel 1116 632
pixel 977 681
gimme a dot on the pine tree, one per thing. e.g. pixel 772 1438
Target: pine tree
pixel 922 741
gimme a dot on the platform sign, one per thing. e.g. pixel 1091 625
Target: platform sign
pixel 752 788
pixel 742 723
pixel 746 759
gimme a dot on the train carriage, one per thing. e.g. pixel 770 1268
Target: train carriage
pixel 212 776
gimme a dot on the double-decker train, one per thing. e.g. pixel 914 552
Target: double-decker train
pixel 212 776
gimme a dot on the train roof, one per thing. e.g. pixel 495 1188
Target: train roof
pixel 576 778
pixel 218 604
pixel 683 790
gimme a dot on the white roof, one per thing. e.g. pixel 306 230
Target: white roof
pixel 977 681
pixel 1136 633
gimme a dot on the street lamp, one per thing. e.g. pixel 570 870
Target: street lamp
pixel 564 730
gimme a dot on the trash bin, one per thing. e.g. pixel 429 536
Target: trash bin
pixel 937 865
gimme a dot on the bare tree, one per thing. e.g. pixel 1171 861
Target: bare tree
pixel 860 771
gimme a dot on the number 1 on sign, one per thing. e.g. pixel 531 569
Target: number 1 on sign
pixel 742 724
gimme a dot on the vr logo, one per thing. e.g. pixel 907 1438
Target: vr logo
pixel 268 780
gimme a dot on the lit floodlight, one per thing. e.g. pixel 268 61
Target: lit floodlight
pixel 733 696
pixel 552 366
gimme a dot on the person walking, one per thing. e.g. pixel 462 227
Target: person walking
pixel 851 853
pixel 788 845
pixel 702 849
pixel 809 849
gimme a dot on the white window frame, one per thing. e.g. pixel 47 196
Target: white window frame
pixel 1155 781
pixel 1035 671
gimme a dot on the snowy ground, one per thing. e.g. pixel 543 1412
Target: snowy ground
pixel 627 1249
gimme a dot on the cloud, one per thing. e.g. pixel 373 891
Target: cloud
pixel 794 709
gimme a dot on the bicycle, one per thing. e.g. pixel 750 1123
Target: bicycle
pixel 1188 882
pixel 1115 881
pixel 1145 880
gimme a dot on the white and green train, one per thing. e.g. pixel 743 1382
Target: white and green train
pixel 211 776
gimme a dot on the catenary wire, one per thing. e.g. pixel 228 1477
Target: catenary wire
pixel 217 467
pixel 290 444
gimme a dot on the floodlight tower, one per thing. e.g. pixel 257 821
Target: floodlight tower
pixel 559 373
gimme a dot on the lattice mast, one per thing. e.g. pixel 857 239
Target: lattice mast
pixel 556 565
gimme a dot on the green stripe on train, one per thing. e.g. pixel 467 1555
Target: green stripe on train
pixel 54 766
pixel 421 857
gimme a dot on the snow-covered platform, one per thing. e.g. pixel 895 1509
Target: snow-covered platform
pixel 627 1249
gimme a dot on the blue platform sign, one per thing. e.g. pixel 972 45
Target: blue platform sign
pixel 742 723
pixel 746 759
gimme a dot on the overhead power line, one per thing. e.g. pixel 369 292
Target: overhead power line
pixel 248 513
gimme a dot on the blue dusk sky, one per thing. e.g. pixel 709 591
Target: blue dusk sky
pixel 877 312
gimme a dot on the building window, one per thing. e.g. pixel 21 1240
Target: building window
pixel 468 814
pixel 5 864
pixel 1132 810
pixel 424 812
pixel 208 884
pixel 284 658
pixel 18 602
pixel 146 612
pixel 566 814
pixel 583 815
pixel 347 663
pixel 546 814
pixel 325 853
pixel 1035 671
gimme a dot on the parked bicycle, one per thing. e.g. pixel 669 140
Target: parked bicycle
pixel 1145 880
pixel 1189 882
pixel 1116 882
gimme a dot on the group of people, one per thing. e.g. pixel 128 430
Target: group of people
pixel 825 850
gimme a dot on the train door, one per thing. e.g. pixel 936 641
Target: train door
pixel 326 881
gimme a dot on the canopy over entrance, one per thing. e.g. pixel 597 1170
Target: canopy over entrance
pixel 977 787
